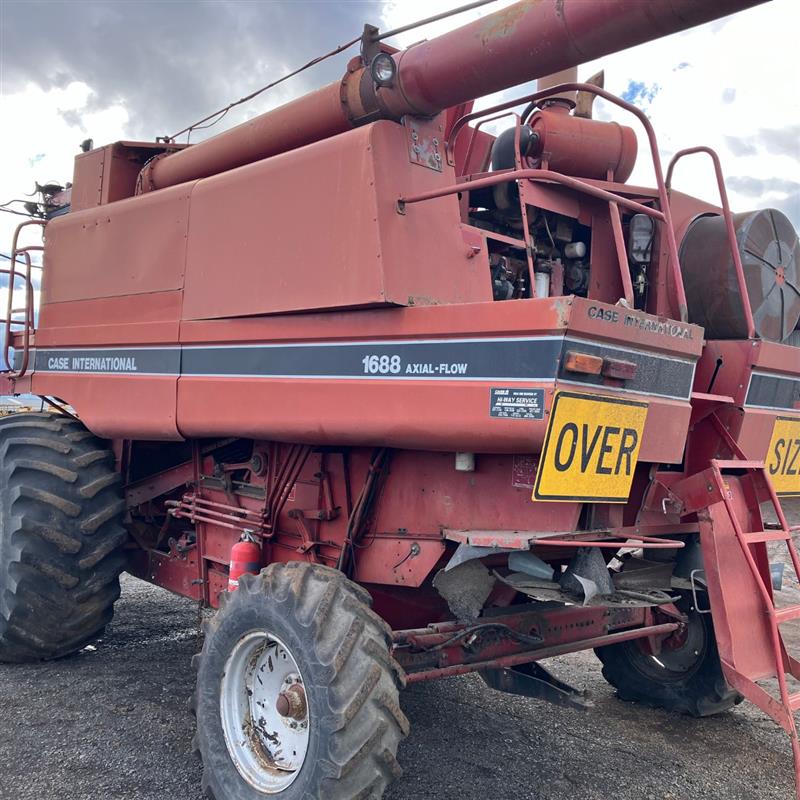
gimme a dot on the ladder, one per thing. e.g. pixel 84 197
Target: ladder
pixel 19 341
pixel 747 622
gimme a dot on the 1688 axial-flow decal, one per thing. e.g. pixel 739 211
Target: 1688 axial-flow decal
pixel 591 448
pixel 511 358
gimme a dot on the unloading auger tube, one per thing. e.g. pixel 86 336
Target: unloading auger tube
pixel 527 40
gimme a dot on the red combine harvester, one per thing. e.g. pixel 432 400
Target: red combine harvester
pixel 408 400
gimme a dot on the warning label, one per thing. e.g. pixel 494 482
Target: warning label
pixel 783 457
pixel 517 403
pixel 591 449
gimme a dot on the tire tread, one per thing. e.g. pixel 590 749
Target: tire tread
pixel 702 693
pixel 61 536
pixel 364 722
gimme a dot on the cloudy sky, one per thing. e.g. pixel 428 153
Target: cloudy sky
pixel 112 69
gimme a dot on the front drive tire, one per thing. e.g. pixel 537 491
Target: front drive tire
pixel 61 536
pixel 303 636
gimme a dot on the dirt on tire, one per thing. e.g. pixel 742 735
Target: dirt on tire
pixel 61 536
pixel 351 681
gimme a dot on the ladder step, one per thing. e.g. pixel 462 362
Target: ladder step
pixel 722 399
pixel 794 701
pixel 786 614
pixel 754 537
pixel 736 464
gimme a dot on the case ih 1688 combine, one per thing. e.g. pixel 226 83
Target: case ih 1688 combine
pixel 408 400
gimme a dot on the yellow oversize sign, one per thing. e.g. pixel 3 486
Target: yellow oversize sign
pixel 591 449
pixel 783 456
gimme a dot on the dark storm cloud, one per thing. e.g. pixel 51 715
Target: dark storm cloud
pixel 173 62
pixel 776 141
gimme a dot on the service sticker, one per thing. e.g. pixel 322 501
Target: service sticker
pixel 512 403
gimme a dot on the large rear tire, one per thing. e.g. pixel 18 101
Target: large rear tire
pixel 686 676
pixel 61 536
pixel 297 693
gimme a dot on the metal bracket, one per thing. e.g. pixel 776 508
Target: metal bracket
pixel 370 44
pixel 425 141
pixel 533 680
pixel 307 535
pixel 694 592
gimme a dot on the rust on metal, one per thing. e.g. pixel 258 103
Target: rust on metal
pixel 292 702
pixel 503 23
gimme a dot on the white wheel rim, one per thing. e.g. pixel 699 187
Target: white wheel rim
pixel 261 679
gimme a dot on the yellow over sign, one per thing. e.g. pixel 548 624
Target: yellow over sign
pixel 591 448
pixel 783 456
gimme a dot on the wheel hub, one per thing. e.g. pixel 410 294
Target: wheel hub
pixel 264 712
pixel 680 654
pixel 292 703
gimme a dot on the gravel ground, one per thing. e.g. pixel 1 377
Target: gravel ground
pixel 112 723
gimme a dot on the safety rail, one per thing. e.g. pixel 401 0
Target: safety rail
pixel 29 297
pixel 663 196
pixel 27 322
pixel 546 175
pixel 503 176
pixel 471 145
pixel 728 217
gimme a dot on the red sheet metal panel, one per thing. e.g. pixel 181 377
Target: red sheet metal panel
pixel 117 406
pixel 763 378
pixel 417 409
pixel 87 178
pixel 135 246
pixel 446 416
pixel 110 173
pixel 476 377
pixel 127 319
pixel 265 238
pixel 426 491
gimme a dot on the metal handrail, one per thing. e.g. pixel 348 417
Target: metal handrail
pixel 613 200
pixel 535 175
pixel 471 145
pixel 663 197
pixel 28 302
pixel 726 213
pixel 28 322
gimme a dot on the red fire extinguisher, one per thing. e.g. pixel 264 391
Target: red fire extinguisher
pixel 245 558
